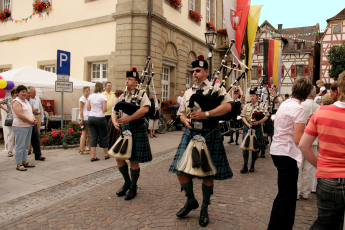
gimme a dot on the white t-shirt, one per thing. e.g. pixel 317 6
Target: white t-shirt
pixel 179 100
pixel 96 101
pixel 85 112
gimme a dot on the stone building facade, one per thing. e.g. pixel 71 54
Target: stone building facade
pixel 108 37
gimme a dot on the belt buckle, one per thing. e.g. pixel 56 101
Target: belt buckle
pixel 197 125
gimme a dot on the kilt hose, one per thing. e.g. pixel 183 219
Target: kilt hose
pixel 259 136
pixel 216 149
pixel 269 128
pixel 141 150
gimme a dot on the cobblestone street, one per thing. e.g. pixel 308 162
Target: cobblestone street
pixel 89 202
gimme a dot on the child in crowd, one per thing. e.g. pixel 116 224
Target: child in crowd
pixel 326 100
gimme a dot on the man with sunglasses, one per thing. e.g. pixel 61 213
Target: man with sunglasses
pixel 199 123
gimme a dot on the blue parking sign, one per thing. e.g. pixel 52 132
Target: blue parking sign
pixel 63 65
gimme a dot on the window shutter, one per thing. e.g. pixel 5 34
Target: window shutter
pixel 283 70
pixel 256 49
pixel 293 71
pixel 306 70
pixel 259 71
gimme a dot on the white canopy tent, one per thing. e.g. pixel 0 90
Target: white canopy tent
pixel 44 82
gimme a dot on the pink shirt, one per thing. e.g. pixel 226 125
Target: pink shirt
pixel 289 113
pixel 26 110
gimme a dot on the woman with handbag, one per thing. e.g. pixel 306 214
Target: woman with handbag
pixel 9 119
pixel 83 116
pixel 153 120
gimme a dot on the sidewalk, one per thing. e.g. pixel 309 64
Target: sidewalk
pixel 89 202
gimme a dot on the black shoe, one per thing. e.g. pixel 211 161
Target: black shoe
pixel 236 143
pixel 231 141
pixel 187 208
pixel 262 155
pixel 244 170
pixel 203 219
pixel 122 191
pixel 251 168
pixel 132 192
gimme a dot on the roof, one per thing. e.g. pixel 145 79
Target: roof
pixel 266 22
pixel 290 46
pixel 339 16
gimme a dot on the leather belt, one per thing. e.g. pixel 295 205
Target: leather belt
pixel 137 122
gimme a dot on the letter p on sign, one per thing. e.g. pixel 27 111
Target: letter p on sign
pixel 63 66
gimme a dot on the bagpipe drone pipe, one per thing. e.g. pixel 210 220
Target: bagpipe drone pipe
pixel 131 107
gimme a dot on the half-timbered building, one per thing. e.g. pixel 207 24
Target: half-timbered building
pixel 334 35
pixel 298 57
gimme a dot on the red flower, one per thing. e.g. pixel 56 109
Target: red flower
pixel 62 135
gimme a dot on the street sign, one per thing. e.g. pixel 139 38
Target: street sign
pixel 63 86
pixel 63 65
pixel 64 78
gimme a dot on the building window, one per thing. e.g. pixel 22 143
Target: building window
pixel 4 70
pixel 165 83
pixel 299 70
pixel 337 29
pixel 261 48
pixel 208 11
pixel 299 46
pixel 224 26
pixel 99 72
pixel 7 4
pixel 49 68
pixel 188 80
pixel 254 72
pixel 192 4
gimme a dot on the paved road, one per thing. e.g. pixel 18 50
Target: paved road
pixel 89 202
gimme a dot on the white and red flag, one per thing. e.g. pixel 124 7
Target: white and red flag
pixel 236 17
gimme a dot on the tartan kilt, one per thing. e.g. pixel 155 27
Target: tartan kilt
pixel 259 135
pixel 216 149
pixel 269 128
pixel 141 150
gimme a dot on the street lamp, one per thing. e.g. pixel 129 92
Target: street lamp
pixel 211 38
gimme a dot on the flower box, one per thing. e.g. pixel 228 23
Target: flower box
pixel 222 32
pixel 209 24
pixel 40 6
pixel 177 4
pixel 195 15
pixel 6 13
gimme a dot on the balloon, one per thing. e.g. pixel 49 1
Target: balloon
pixel 0 77
pixel 3 84
pixel 2 93
pixel 10 85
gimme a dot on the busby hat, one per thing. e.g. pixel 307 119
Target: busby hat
pixel 200 62
pixel 133 73
pixel 253 90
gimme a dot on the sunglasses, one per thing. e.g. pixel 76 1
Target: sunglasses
pixel 197 70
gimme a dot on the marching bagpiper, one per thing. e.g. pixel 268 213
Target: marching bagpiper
pixel 209 129
pixel 135 124
pixel 250 124
pixel 236 125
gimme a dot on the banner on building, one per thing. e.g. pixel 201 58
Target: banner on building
pixel 236 17
pixel 272 62
pixel 252 27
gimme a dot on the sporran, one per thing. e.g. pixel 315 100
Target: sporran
pixel 122 149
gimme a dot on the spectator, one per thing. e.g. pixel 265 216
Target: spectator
pixel 35 139
pixel 113 132
pixel 39 114
pixel 46 117
pixel 326 100
pixel 289 124
pixel 23 121
pixel 323 91
pixel 97 105
pixel 153 120
pixel 179 99
pixel 327 124
pixel 83 116
pixel 287 96
pixel 110 98
pixel 334 91
pixel 10 137
pixel 305 175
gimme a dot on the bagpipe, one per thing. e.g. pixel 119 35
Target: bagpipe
pixel 213 98
pixel 131 107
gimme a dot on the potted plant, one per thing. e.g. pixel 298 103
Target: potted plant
pixel 209 24
pixel 166 105
pixel 222 32
pixel 195 15
pixel 40 6
pixel 6 13
pixel 177 4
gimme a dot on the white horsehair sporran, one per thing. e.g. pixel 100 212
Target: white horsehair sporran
pixel 250 142
pixel 122 149
pixel 196 159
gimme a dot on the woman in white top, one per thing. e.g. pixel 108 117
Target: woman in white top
pixel 97 105
pixel 83 116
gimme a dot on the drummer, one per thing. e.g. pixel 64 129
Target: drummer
pixel 236 125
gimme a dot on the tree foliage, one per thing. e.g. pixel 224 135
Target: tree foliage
pixel 336 57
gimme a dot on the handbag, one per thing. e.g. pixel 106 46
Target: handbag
pixel 8 122
pixel 122 149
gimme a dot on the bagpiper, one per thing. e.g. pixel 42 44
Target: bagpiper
pixel 235 124
pixel 199 123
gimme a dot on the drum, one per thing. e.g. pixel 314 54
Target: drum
pixel 224 127
pixel 236 124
